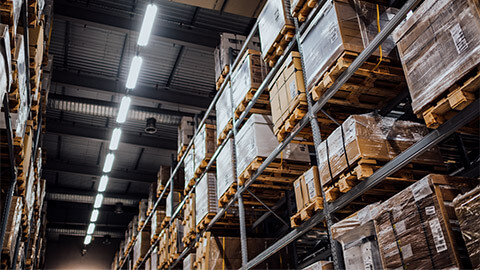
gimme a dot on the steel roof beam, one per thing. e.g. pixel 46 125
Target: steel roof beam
pixel 112 86
pixel 96 171
pixel 172 32
pixel 103 134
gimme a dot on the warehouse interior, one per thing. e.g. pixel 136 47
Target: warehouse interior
pixel 240 134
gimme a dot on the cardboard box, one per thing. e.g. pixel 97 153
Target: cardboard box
pixel 12 230
pixel 154 259
pixel 177 198
pixel 312 183
pixel 175 235
pixel 185 131
pixel 206 197
pixel 467 209
pixel 320 265
pixel 189 166
pixel 162 177
pixel 287 89
pixel 188 262
pixel 152 196
pixel 341 26
pixel 297 187
pixel 248 75
pixel 417 229
pixel 141 245
pixel 225 170
pixel 256 139
pixel 142 211
pixel 205 145
pixel 370 137
pixel 157 219
pixel 227 51
pixel 189 224
pixel 274 16
pixel 438 44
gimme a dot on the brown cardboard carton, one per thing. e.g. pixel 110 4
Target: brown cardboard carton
pixel 141 245
pixel 438 45
pixel 306 199
pixel 297 186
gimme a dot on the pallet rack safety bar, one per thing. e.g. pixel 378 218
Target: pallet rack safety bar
pixel 433 138
pixel 207 113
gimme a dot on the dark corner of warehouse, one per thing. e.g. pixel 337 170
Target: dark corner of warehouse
pixel 239 134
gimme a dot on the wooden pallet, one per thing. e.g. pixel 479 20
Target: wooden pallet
pixel 203 164
pixel 298 109
pixel 225 198
pixel 222 77
pixel 188 237
pixel 281 42
pixel 454 99
pixel 278 174
pixel 302 9
pixel 189 186
pixel 181 152
pixel 262 106
pixel 371 87
pixel 307 212
pixel 223 135
pixel 364 168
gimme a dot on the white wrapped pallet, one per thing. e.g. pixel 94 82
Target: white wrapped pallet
pixel 224 112
pixel 206 197
pixel 256 139
pixel 177 198
pixel 189 167
pixel 225 175
pixel 185 132
pixel 204 146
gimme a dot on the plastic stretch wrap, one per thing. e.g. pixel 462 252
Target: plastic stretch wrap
pixel 467 209
pixel 373 137
pixel 13 226
pixel 274 16
pixel 340 26
pixel 224 109
pixel 6 59
pixel 141 245
pixel 185 131
pixel 285 89
pixel 225 170
pixel 206 197
pixel 142 210
pixel 438 44
pixel 414 228
pixel 177 198
pixel 188 261
pixel 248 75
pixel 256 139
pixel 358 238
pixel 320 265
pixel 157 218
pixel 189 166
pixel 154 259
pixel 228 49
pixel 205 144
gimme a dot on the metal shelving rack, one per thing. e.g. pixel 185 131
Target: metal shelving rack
pixel 432 139
pixel 13 170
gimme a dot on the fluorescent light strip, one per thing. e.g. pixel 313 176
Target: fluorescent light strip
pixel 94 216
pixel 88 240
pixel 116 134
pixel 98 201
pixel 147 25
pixel 107 167
pixel 134 72
pixel 103 183
pixel 123 111
pixel 91 228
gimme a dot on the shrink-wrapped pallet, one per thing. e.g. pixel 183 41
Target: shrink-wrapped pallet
pixel 438 44
pixel 307 188
pixel 154 259
pixel 247 76
pixel 185 132
pixel 175 235
pixel 372 137
pixel 467 209
pixel 417 228
pixel 173 199
pixel 5 61
pixel 152 197
pixel 188 262
pixel 162 177
pixel 223 111
pixel 256 140
pixel 341 26
pixel 206 197
pixel 320 265
pixel 228 49
pixel 157 219
pixel 225 169
pixel 10 14
pixel 141 245
pixel 205 145
pixel 12 230
pixel 189 167
pixel 142 211
pixel 357 236
pixel 273 18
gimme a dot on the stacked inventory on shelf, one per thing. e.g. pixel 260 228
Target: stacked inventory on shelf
pixel 366 157
pixel 25 82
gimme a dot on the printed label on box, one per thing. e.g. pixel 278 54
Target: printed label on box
pixel 438 236
pixel 430 210
pixel 407 251
pixel 459 38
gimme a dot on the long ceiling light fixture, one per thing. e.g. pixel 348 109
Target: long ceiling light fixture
pixel 132 78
